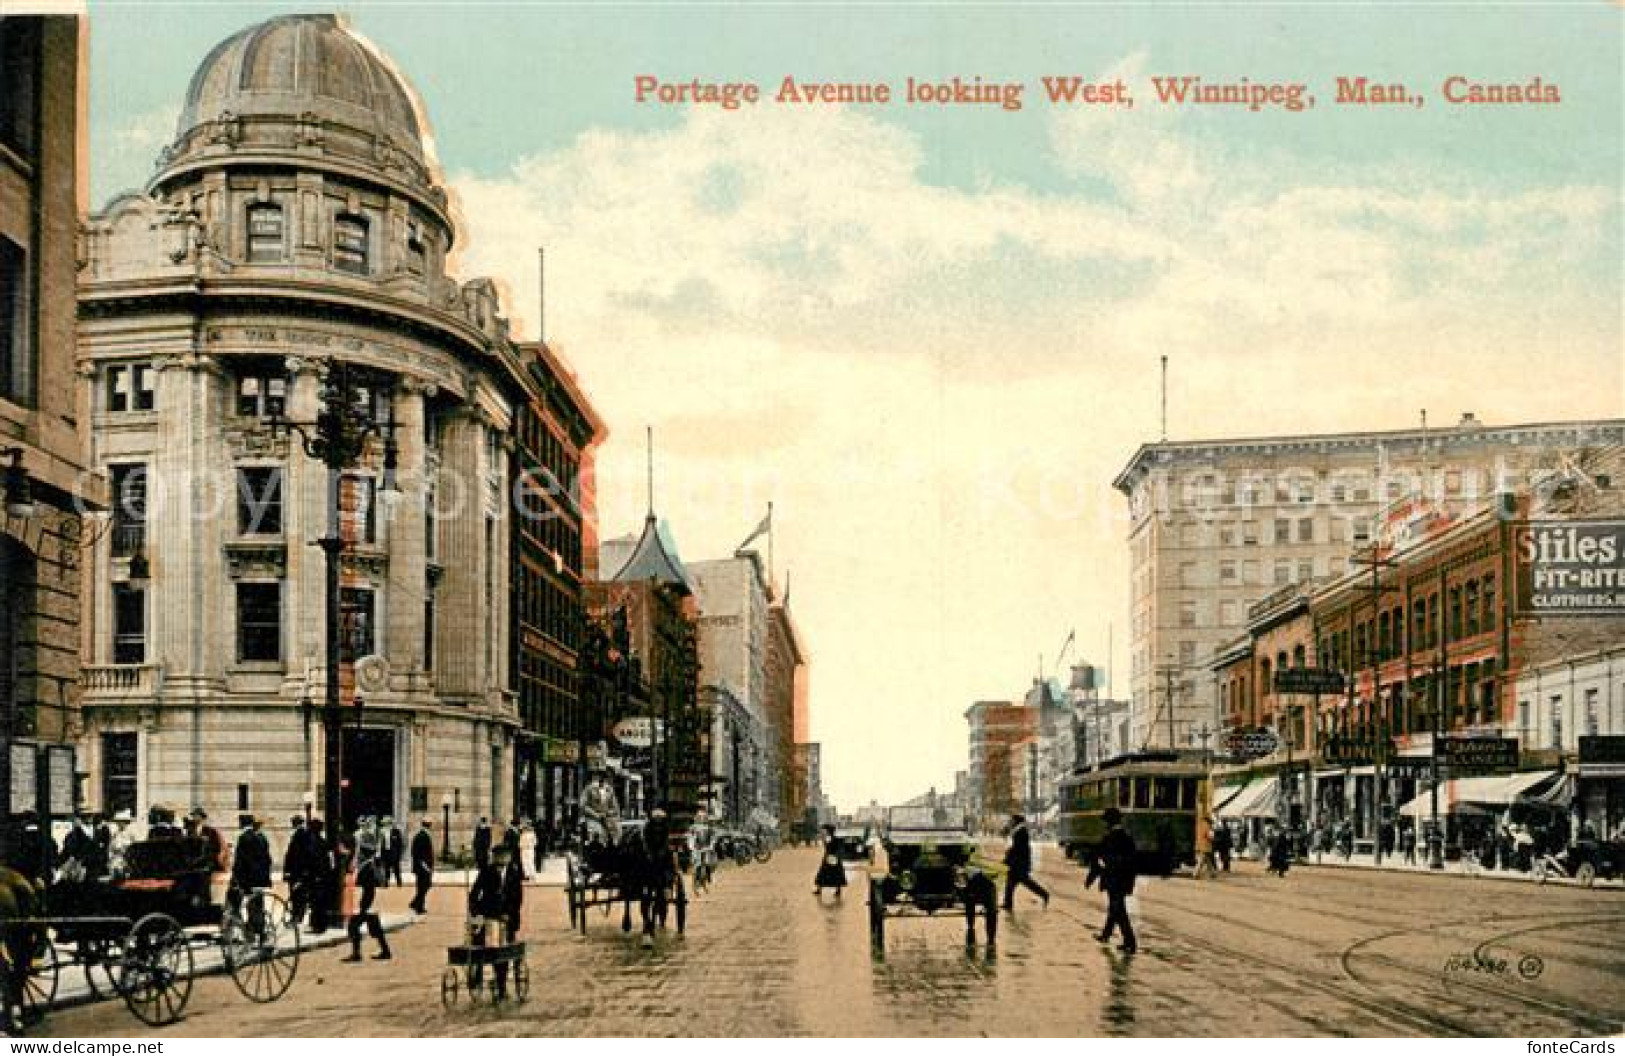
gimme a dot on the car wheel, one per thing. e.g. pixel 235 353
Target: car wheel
pixel 1586 874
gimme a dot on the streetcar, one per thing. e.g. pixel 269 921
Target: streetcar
pixel 1159 795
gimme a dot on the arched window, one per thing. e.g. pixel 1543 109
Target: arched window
pixel 350 244
pixel 266 236
pixel 1298 656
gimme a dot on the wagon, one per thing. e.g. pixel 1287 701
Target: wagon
pixel 136 937
pixel 465 972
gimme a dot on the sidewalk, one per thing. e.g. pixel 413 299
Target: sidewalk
pixel 552 875
pixel 207 959
pixel 1397 864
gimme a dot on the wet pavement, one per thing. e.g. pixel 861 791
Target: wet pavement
pixel 1320 952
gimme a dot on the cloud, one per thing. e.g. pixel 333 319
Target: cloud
pixel 936 384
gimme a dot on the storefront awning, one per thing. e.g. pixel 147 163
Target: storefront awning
pixel 1498 790
pixel 1256 800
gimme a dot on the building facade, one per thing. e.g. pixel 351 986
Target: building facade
pixel 555 433
pixel 784 683
pixel 735 600
pixel 1217 525
pixel 1002 766
pixel 295 233
pixel 51 500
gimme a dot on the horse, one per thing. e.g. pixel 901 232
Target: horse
pixel 21 899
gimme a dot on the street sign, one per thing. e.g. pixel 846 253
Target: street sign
pixel 1343 750
pixel 1251 742
pixel 1602 749
pixel 1462 754
pixel 639 731
pixel 1308 680
pixel 1570 568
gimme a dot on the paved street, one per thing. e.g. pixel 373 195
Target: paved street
pixel 1323 952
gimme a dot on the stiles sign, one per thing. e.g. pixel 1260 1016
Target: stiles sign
pixel 1570 568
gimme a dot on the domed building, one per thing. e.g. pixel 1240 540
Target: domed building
pixel 285 268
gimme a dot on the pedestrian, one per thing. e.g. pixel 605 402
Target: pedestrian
pixel 1280 853
pixel 487 908
pixel 831 873
pixel 482 844
pixel 321 876
pixel 511 838
pixel 1114 867
pixel 296 868
pixel 366 882
pixel 422 866
pixel 1018 859
pixel 1222 843
pixel 513 895
pixel 394 851
pixel 1407 842
pixel 1204 849
pixel 527 851
pixel 251 872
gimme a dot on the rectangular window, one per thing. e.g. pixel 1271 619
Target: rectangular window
pixel 1250 572
pixel 1227 535
pixel 129 508
pixel 1591 713
pixel 1557 722
pixel 130 387
pixel 16 323
pixel 415 253
pixel 1187 653
pixel 262 395
pixel 1306 570
pixel 259 622
pixel 1306 530
pixel 1187 574
pixel 1187 614
pixel 1524 731
pixel 1283 573
pixel 428 630
pixel 350 244
pixel 265 235
pixel 1283 530
pixel 129 624
pixel 120 772
pixel 259 500
pixel 356 624
pixel 1227 613
pixel 1227 571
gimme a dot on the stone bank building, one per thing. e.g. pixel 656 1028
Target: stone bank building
pixel 296 220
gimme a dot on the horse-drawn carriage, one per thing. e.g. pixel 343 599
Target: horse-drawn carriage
pixel 602 871
pixel 134 936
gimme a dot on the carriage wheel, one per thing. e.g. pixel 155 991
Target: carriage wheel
pixel 448 988
pixel 763 852
pixel 156 970
pixel 1586 874
pixel 39 985
pixel 264 957
pixel 102 959
pixel 521 980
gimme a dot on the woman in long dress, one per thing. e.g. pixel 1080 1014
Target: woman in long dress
pixel 527 851
pixel 831 873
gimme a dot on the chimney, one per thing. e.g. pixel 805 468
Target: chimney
pixel 1468 421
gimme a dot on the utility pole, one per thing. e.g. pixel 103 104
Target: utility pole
pixel 1167 672
pixel 1379 740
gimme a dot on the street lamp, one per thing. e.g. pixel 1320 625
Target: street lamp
pixel 338 438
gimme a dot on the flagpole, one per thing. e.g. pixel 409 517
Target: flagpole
pixel 770 543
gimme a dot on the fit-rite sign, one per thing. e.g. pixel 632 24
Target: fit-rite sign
pixel 1570 568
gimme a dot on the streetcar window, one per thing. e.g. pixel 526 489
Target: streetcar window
pixel 1142 792
pixel 1122 793
pixel 1187 793
pixel 1167 789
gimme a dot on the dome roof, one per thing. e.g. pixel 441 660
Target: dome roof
pixel 296 66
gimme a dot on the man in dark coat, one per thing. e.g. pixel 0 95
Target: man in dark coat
pixel 1018 858
pixel 488 908
pixel 322 877
pixel 1114 867
pixel 250 872
pixel 394 851
pixel 366 882
pixel 422 866
pixel 296 868
pixel 482 844
pixel 1222 843
pixel 513 894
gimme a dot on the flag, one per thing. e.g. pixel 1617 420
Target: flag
pixel 761 530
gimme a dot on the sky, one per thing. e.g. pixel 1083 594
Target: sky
pixel 930 334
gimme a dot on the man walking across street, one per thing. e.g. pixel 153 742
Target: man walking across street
pixel 394 848
pixel 366 881
pixel 422 866
pixel 1222 843
pixel 1115 869
pixel 1019 858
pixel 296 868
pixel 251 872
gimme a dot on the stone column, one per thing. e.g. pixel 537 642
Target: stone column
pixel 461 598
pixel 408 560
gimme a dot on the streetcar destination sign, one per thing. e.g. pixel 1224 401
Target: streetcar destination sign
pixel 1479 753
pixel 1308 680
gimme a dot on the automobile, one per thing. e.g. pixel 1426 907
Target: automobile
pixel 1585 861
pixel 853 844
pixel 932 867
